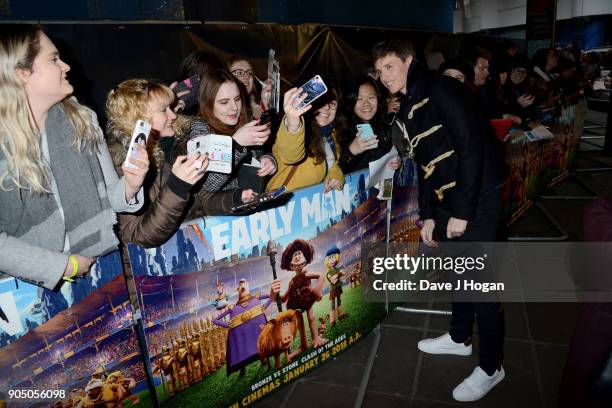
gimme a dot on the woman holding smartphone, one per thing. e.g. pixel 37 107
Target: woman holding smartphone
pixel 169 187
pixel 58 188
pixel 364 103
pixel 222 110
pixel 306 149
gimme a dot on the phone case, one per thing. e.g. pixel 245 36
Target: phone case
pixel 314 88
pixel 139 135
pixel 366 131
pixel 192 85
pixel 219 149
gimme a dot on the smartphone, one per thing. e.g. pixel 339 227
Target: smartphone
pixel 197 145
pixel 260 199
pixel 140 135
pixel 314 89
pixel 266 117
pixel 191 84
pixel 366 131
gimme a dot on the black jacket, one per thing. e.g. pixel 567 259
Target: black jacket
pixel 349 162
pixel 455 155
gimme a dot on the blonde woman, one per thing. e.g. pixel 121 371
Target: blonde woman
pixel 169 188
pixel 58 189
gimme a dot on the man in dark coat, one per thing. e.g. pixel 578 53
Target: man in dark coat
pixel 460 176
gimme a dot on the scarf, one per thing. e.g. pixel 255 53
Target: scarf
pixel 78 181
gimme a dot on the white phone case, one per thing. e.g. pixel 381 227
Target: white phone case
pixel 140 134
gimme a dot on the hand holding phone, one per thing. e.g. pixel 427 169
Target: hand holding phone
pixel 265 117
pixel 367 139
pixel 313 89
pixel 366 131
pixel 260 199
pixel 140 135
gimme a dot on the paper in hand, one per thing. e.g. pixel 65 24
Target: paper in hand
pixel 379 170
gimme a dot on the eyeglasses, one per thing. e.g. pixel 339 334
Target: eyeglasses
pixel 242 73
pixel 520 71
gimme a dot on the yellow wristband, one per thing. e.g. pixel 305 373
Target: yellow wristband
pixel 75 269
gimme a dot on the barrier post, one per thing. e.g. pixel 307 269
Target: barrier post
pixel 142 344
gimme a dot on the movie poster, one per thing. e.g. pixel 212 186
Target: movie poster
pixel 405 204
pixel 534 166
pixel 523 181
pixel 76 345
pixel 217 332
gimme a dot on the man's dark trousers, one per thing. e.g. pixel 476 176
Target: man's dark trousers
pixel 489 315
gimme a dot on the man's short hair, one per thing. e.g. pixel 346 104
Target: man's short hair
pixel 401 47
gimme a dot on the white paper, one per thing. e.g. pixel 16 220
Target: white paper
pixel 254 163
pixel 599 85
pixel 538 133
pixel 379 170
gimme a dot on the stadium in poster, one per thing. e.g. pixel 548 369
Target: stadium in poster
pixel 236 307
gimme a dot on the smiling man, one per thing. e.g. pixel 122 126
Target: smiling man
pixel 459 193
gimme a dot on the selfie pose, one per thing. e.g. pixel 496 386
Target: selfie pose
pixel 367 138
pixel 58 188
pixel 306 150
pixel 459 194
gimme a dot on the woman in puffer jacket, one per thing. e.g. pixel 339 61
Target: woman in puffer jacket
pixel 172 192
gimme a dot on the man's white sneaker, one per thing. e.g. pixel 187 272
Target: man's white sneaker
pixel 445 345
pixel 477 385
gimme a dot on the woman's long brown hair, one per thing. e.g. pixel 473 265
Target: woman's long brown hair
pixel 209 86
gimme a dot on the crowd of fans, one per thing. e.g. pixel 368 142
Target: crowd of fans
pixel 125 345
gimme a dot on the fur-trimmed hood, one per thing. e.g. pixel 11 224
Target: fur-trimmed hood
pixel 118 145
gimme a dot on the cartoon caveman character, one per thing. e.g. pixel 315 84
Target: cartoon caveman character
pixel 300 294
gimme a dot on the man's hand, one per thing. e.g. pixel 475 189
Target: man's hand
pixel 395 163
pixel 455 227
pixel 427 232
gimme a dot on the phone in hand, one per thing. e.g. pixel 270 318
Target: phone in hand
pixel 260 199
pixel 366 131
pixel 140 135
pixel 314 88
pixel 266 117
pixel 191 84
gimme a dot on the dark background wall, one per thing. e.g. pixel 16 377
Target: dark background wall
pixel 430 15
pixel 102 55
pixel 336 44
